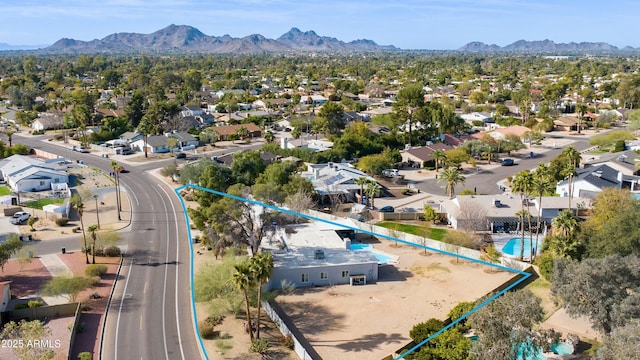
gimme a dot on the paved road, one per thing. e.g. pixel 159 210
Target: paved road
pixel 151 315
pixel 485 182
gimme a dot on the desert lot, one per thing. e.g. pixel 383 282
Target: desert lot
pixel 373 321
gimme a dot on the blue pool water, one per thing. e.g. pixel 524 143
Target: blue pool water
pixel 512 247
pixel 382 258
pixel 557 348
pixel 562 349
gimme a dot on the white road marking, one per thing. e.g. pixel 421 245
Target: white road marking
pixel 164 289
pixel 126 283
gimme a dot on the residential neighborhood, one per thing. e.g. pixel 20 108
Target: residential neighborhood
pixel 318 206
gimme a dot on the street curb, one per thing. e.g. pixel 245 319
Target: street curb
pixel 106 311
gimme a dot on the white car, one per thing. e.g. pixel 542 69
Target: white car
pixel 19 218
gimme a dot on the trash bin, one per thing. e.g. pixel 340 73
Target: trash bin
pixel 64 250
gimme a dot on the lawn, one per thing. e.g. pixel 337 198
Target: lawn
pixel 40 203
pixel 431 233
pixel 4 190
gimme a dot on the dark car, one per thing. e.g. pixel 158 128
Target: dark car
pixel 508 162
pixel 181 156
pixel 387 208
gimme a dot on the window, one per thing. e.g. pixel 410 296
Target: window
pixel 41 183
pixel 324 276
pixel 345 273
pixel 305 278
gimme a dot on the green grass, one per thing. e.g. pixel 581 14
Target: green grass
pixel 4 190
pixel 39 204
pixel 418 230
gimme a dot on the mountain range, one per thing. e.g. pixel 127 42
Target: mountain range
pixel 183 38
pixel 187 39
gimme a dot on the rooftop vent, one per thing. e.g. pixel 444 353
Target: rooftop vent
pixel 597 173
pixel 496 203
pixel 319 254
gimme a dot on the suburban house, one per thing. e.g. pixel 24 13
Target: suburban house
pixel 313 99
pixel 156 144
pixel 502 133
pixel 131 136
pixel 186 141
pixel 335 179
pixel 625 161
pixel 24 173
pixel 498 213
pixel 5 296
pixel 224 132
pixel 318 254
pixel 566 123
pixel 592 180
pixel 477 116
pixel 316 145
pixel 421 156
pixel 191 110
pixel 271 103
pixel 46 122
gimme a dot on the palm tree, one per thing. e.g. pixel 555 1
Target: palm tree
pixel 92 229
pixel 372 189
pixel 243 280
pixel 439 156
pixel 362 181
pixel 262 266
pixel 269 137
pixel 573 158
pixel 523 183
pixel 116 172
pixel 581 108
pixel 452 176
pixel 542 184
pixel 564 230
pixel 77 202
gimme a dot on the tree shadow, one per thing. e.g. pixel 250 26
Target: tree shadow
pixel 307 316
pixel 368 342
pixel 390 273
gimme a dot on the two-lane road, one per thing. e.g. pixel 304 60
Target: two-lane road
pixel 151 315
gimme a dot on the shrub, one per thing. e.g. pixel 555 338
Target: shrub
pixel 21 306
pixel 85 356
pixel 287 341
pixel 35 304
pixel 545 264
pixel 259 346
pixel 467 192
pixel 96 270
pixel 112 251
pixel 423 330
pixel 405 191
pixel 62 221
pixel 214 319
pixel 206 329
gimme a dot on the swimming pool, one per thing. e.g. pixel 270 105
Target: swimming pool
pixel 512 247
pixel 383 259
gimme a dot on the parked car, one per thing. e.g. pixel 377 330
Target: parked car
pixel 82 149
pixel 387 208
pixel 19 218
pixel 181 155
pixel 508 162
pixel 390 172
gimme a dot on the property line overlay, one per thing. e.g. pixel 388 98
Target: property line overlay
pixel 524 275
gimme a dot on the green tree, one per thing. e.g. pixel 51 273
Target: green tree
pixel 25 333
pixel 76 200
pixel 542 185
pixel 69 287
pixel 244 280
pixel 423 330
pixel 449 345
pixel 522 184
pixel 92 231
pixel 563 240
pixel 606 290
pixel 332 116
pixel 269 137
pixel 8 248
pixel 372 189
pixel 362 181
pixel 262 267
pixel 622 344
pixel 440 157
pixel 451 176
pixel 247 166
pixel 409 99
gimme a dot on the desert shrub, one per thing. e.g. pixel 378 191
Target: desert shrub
pixel 259 346
pixel 287 341
pixel 62 221
pixel 85 356
pixel 96 270
pixel 206 329
pixel 112 251
pixel 214 319
pixel 545 264
pixel 406 191
pixel 35 304
pixel 423 330
pixel 467 192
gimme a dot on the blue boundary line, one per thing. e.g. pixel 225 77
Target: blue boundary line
pixel 525 275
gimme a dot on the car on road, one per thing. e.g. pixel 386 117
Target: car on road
pixel 19 218
pixel 387 209
pixel 181 155
pixel 82 149
pixel 122 170
pixel 390 172
pixel 508 162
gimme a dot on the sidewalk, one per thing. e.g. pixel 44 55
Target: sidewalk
pixel 56 267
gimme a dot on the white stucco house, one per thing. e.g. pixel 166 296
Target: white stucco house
pixel 592 180
pixel 24 173
pixel 335 178
pixel 156 144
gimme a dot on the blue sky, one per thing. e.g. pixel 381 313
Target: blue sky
pixel 407 24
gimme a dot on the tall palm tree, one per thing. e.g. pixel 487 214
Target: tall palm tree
pixel 116 173
pixel 92 229
pixel 581 108
pixel 564 230
pixel 452 176
pixel 362 181
pixel 542 184
pixel 243 280
pixel 523 183
pixel 262 266
pixel 439 156
pixel 269 137
pixel 573 161
pixel 77 202
pixel 372 189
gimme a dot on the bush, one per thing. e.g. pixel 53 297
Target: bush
pixel 214 319
pixel 112 251
pixel 35 304
pixel 206 329
pixel 545 264
pixel 406 191
pixel 21 306
pixel 423 330
pixel 85 356
pixel 287 341
pixel 96 270
pixel 62 221
pixel 259 346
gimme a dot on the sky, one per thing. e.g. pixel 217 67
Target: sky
pixel 406 24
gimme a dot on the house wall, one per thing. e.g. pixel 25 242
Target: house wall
pixel 38 184
pixel 334 272
pixel 406 157
pixel 5 297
